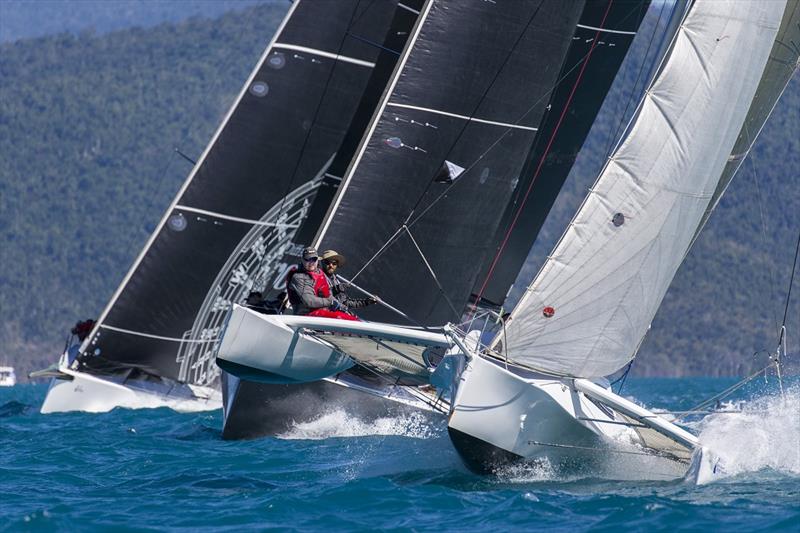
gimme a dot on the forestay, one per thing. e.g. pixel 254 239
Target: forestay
pixel 589 307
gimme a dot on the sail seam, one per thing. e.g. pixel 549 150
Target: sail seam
pixel 323 53
pixel 159 337
pixel 464 117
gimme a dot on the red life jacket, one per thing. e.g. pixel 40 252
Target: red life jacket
pixel 321 287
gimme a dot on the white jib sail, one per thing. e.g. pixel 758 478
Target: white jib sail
pixel 589 307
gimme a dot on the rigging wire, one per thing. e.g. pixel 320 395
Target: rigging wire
pixel 513 223
pixel 725 393
pixel 759 200
pixel 407 222
pixel 480 157
pixel 789 292
pixel 477 105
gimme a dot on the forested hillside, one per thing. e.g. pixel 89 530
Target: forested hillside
pixel 88 127
pixel 20 19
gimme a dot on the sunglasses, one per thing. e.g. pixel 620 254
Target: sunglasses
pixel 333 262
pixel 310 259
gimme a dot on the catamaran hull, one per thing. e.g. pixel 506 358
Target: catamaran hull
pixel 79 391
pixel 500 418
pixel 254 410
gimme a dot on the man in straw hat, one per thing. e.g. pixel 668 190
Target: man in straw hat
pixel 331 260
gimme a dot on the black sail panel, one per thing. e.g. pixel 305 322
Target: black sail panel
pixel 401 27
pixel 248 192
pixel 591 65
pixel 467 99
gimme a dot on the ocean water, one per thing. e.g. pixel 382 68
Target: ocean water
pixel 160 470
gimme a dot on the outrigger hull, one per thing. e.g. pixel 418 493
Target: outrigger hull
pixel 279 374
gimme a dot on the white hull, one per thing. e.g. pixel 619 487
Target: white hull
pixel 502 417
pixel 263 348
pixel 93 394
pixel 7 376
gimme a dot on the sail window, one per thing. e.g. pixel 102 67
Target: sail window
pixel 259 88
pixel 177 222
pixel 394 142
pixel 277 60
pixel 448 173
pixel 618 219
pixel 484 175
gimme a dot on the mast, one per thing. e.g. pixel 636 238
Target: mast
pixel 421 200
pixel 587 310
pixel 246 194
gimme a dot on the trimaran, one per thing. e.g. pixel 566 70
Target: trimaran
pixel 446 161
pixel 538 389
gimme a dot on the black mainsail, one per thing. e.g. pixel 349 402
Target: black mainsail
pixel 246 195
pixel 419 209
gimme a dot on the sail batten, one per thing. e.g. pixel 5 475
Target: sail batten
pixel 611 269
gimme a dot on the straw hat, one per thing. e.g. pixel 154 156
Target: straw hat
pixel 332 254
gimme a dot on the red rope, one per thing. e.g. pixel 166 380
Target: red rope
pixel 544 156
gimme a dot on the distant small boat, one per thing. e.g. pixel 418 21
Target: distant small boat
pixel 7 376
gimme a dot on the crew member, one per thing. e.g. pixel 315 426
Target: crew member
pixel 331 261
pixel 309 292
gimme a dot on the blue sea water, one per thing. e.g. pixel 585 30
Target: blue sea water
pixel 161 470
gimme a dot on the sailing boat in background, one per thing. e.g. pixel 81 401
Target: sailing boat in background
pixel 226 230
pixel 433 175
pixel 538 391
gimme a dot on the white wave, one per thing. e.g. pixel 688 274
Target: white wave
pixel 529 472
pixel 340 423
pixel 765 434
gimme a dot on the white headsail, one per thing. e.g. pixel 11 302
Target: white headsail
pixel 591 304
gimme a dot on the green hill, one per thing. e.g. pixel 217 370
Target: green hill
pixel 88 127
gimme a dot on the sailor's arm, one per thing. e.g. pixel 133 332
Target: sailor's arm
pixel 303 286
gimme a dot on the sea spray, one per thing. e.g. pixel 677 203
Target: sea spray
pixel 765 434
pixel 341 423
